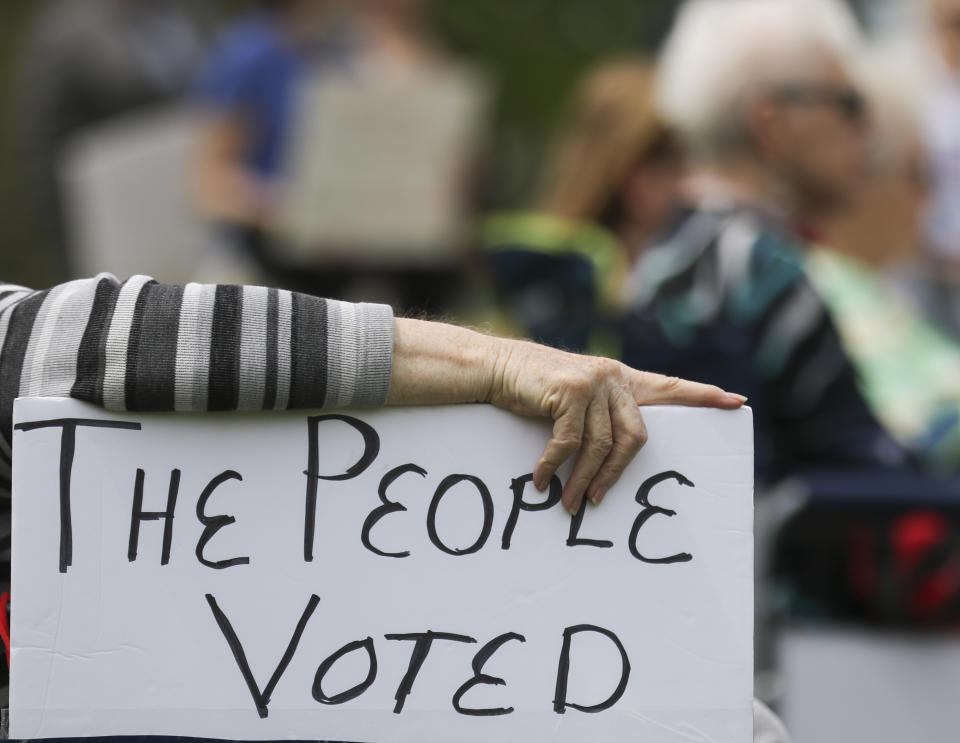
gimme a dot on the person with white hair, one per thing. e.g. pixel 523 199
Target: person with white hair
pixel 764 93
pixel 767 86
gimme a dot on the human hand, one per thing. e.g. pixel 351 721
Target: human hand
pixel 593 403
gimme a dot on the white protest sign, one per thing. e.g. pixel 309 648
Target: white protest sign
pixel 386 576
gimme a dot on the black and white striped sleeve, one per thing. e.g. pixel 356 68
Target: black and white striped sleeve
pixel 140 345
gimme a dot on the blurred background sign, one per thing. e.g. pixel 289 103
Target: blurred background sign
pixel 121 221
pixel 381 164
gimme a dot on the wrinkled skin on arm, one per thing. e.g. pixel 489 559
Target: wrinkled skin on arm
pixel 592 401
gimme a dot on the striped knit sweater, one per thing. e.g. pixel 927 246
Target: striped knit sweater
pixel 140 345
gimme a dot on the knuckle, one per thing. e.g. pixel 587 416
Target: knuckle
pixel 579 481
pixel 550 461
pixel 580 384
pixel 592 368
pixel 672 384
pixel 631 441
pixel 607 369
pixel 571 442
pixel 603 442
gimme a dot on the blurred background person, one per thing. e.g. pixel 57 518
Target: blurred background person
pixel 778 131
pixel 908 368
pixel 248 94
pixel 392 34
pixel 936 59
pixel 749 285
pixel 534 52
pixel 310 109
pixel 843 371
pixel 883 224
pixel 920 51
pixel 609 185
pixel 87 61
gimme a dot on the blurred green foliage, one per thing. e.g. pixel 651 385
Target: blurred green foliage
pixel 24 257
pixel 533 51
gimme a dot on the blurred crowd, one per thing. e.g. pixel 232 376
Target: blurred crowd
pixel 766 198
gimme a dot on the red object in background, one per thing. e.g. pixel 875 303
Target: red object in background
pixel 912 537
pixel 5 623
pixel 907 570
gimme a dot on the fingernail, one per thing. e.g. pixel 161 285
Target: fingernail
pixel 739 398
pixel 597 496
pixel 540 483
pixel 571 510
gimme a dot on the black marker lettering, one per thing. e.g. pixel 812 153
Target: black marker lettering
pixel 261 699
pixel 560 702
pixel 574 540
pixel 643 498
pixel 138 515
pixel 371 448
pixel 445 485
pixel 479 677
pixel 518 485
pixel 213 524
pixel 354 691
pixel 68 444
pixel 421 648
pixel 388 506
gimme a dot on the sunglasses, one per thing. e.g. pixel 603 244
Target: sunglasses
pixel 848 101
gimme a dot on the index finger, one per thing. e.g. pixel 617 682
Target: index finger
pixel 657 389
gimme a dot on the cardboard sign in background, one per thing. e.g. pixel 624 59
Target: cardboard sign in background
pixel 110 640
pixel 406 141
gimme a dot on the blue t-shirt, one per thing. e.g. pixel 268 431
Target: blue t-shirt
pixel 256 70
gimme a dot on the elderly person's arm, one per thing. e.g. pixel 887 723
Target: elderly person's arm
pixel 592 401
pixel 140 345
